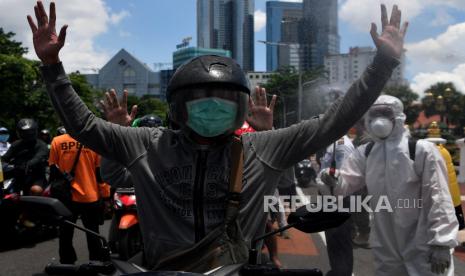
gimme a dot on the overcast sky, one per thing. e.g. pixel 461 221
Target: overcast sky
pixel 150 29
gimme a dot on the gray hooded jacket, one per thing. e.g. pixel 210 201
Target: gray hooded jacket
pixel 180 186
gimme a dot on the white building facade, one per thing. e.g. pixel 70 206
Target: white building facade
pixel 257 79
pixel 344 69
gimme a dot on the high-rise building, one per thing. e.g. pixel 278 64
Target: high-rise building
pixel 282 21
pixel 344 69
pixel 228 25
pixel 320 26
pixel 185 54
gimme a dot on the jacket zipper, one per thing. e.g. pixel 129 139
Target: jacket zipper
pixel 199 219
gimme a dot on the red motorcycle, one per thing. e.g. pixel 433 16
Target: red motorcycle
pixel 125 236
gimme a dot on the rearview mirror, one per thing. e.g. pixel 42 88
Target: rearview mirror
pixel 45 208
pixel 312 222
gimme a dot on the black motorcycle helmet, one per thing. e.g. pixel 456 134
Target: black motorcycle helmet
pixel 61 130
pixel 148 121
pixel 3 130
pixel 27 129
pixel 208 76
pixel 45 135
pixel 304 173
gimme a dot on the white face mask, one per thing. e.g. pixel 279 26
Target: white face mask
pixel 381 127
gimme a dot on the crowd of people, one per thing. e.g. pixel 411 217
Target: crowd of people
pixel 200 186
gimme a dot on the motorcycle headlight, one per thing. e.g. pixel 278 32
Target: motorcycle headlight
pixel 133 199
pixel 7 183
pixel 117 201
pixel 118 204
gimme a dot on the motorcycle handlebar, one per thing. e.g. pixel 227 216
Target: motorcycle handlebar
pixel 264 270
pixel 69 269
pixel 60 269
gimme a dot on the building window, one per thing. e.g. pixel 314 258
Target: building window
pixel 129 73
pixel 251 76
pixel 131 88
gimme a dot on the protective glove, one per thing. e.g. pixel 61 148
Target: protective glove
pixel 439 258
pixel 328 179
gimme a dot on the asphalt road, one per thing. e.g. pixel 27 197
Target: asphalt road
pixel 32 259
pixel 301 251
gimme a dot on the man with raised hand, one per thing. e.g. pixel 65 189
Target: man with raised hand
pixel 182 176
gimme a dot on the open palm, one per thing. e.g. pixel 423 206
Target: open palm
pixel 391 39
pixel 47 43
pixel 260 113
pixel 117 112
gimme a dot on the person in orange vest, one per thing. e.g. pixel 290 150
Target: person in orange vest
pixel 86 190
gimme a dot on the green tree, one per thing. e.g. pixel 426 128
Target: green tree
pixel 149 105
pixel 19 78
pixel 23 92
pixel 408 97
pixel 443 98
pixel 10 47
pixel 88 95
pixel 284 83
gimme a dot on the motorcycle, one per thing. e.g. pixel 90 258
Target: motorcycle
pixel 305 174
pixel 124 234
pixel 10 213
pixel 302 219
pixel 9 198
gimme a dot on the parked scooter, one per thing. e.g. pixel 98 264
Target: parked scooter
pixel 9 198
pixel 124 235
pixel 12 229
pixel 305 174
pixel 302 219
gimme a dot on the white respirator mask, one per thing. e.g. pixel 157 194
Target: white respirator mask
pixel 381 127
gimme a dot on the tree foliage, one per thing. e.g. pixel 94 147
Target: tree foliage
pixel 10 47
pixel 284 83
pixel 23 91
pixel 148 105
pixel 453 102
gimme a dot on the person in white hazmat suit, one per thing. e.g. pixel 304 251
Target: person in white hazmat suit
pixel 417 235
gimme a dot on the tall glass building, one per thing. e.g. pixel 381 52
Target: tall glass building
pixel 321 21
pixel 185 54
pixel 228 25
pixel 281 26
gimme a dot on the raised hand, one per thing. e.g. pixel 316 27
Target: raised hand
pixel 115 112
pixel 391 40
pixel 260 113
pixel 46 42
